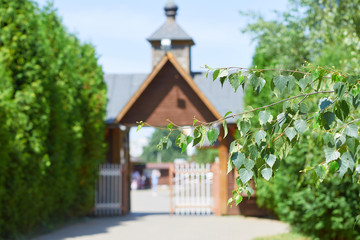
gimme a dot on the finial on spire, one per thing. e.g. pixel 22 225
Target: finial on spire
pixel 170 9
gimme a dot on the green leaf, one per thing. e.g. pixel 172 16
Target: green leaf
pixel 243 126
pixel 356 101
pixel 303 108
pixel 168 144
pixel 238 199
pixel 351 79
pixel 270 160
pixel 230 201
pixel 238 159
pixel 264 117
pixel 223 73
pixel 291 82
pixel 203 135
pixel 333 166
pixel 222 80
pixel 324 103
pixel 189 139
pixel 241 78
pixel 249 191
pixel 257 83
pixel 216 74
pixel 170 126
pixel 300 126
pixel 329 117
pixel 281 82
pixel 266 173
pixel 225 128
pixel 260 86
pixel 245 175
pixel 331 154
pixel 351 144
pixel 234 81
pixel 347 162
pixel 290 133
pixel 351 130
pixel 230 166
pixel 249 164
pixel 197 136
pixel 281 118
pixel 259 136
pixel 212 135
pixel 253 151
pixel 226 114
pixel 320 171
pixel 339 89
pixel 303 83
pixel 342 110
pixel 141 124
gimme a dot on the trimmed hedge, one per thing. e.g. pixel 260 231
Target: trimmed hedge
pixel 52 109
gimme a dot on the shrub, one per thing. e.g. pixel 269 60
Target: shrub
pixel 327 210
pixel 52 107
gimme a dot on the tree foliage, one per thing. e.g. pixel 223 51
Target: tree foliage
pixel 151 152
pixel 52 106
pixel 328 210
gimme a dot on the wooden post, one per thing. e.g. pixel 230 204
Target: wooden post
pixel 216 188
pixel 171 178
pixel 223 178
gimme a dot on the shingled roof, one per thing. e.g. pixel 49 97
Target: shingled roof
pixel 121 87
pixel 170 29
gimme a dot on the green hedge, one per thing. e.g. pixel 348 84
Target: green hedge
pixel 52 109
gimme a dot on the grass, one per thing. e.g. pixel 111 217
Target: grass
pixel 285 236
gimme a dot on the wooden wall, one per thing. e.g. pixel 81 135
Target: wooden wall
pixel 168 97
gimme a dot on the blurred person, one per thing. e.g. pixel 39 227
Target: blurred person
pixel 155 174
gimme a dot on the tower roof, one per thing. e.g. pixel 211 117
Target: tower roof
pixel 170 29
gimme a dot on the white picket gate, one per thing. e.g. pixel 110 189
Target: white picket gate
pixel 108 194
pixel 191 189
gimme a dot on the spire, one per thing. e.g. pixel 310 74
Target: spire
pixel 170 37
pixel 170 10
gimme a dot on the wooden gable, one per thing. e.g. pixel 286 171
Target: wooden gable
pixel 168 93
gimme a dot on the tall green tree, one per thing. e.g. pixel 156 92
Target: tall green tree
pixel 325 33
pixel 152 153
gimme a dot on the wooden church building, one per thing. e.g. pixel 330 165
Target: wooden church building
pixel 170 91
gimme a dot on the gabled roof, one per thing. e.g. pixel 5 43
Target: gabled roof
pixel 168 57
pixel 121 88
pixel 170 30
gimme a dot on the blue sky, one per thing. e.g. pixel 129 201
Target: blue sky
pixel 118 29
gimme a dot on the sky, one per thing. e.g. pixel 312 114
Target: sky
pixel 118 30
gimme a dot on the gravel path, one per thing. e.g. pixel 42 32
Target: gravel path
pixel 150 220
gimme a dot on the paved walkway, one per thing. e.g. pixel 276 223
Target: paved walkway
pixel 150 220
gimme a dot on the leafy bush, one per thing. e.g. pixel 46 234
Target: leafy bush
pixel 327 210
pixel 52 106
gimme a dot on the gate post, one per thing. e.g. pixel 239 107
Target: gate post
pixel 216 188
pixel 171 181
pixel 223 178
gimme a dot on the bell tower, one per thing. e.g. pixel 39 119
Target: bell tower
pixel 170 37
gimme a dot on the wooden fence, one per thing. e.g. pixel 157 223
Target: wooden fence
pixel 108 195
pixel 191 189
